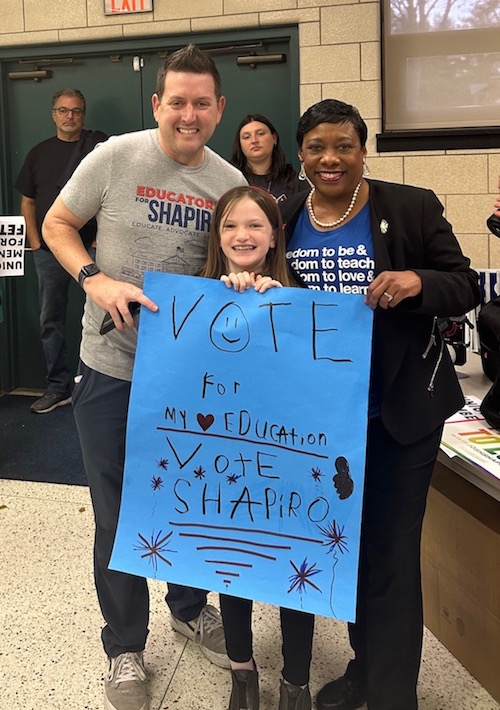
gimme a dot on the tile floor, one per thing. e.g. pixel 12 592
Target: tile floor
pixel 50 652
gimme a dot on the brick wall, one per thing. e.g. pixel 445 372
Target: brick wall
pixel 339 57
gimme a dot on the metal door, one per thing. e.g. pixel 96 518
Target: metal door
pixel 118 85
pixel 114 105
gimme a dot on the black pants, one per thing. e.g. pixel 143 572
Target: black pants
pixel 297 633
pixel 53 286
pixel 100 405
pixel 387 635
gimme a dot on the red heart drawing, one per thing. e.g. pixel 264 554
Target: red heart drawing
pixel 205 420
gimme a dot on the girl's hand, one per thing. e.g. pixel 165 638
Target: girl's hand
pixel 243 279
pixel 262 283
pixel 239 281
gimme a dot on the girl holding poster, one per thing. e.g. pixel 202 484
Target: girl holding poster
pixel 247 250
pixel 246 245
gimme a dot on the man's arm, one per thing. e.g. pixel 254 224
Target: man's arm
pixel 28 212
pixel 60 232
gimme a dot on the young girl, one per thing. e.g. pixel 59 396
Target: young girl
pixel 246 245
pixel 246 249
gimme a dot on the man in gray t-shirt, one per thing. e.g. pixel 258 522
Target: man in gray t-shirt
pixel 153 193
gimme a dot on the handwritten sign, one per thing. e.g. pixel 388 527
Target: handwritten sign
pixel 246 443
pixel 12 236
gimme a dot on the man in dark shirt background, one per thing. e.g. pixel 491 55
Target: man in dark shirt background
pixel 47 168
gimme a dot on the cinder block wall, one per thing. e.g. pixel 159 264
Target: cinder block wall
pixel 339 57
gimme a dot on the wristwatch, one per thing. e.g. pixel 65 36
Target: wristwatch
pixel 89 270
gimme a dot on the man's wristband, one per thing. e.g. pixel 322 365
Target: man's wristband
pixel 89 270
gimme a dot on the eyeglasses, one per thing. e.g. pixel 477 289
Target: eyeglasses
pixel 63 111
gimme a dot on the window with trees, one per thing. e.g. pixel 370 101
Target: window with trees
pixel 441 67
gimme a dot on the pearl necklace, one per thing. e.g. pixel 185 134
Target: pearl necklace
pixel 329 225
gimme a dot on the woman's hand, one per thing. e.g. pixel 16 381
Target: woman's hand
pixel 243 279
pixel 389 288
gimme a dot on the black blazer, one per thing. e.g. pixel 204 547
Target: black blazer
pixel 415 376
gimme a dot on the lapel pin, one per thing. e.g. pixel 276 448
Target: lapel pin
pixel 384 226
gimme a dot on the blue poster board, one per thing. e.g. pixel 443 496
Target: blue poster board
pixel 246 443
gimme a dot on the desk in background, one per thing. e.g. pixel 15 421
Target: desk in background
pixel 461 556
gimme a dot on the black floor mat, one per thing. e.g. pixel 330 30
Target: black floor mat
pixel 39 447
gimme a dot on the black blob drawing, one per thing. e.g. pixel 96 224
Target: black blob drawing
pixel 344 485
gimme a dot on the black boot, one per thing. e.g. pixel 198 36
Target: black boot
pixel 340 694
pixel 294 697
pixel 245 692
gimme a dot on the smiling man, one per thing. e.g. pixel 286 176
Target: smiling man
pixel 153 193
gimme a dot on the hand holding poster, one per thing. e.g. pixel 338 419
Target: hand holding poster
pixel 246 443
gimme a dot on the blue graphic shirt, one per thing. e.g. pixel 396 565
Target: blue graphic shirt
pixel 340 260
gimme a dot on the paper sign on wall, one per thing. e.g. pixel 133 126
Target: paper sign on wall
pixel 12 237
pixel 246 443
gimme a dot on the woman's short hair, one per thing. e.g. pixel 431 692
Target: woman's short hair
pixel 331 111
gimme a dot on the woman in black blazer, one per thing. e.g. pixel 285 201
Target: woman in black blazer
pixel 391 243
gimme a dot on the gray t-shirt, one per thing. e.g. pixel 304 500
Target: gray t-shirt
pixel 153 214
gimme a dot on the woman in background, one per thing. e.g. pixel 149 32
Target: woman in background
pixel 259 156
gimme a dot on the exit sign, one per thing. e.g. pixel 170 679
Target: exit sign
pixel 124 7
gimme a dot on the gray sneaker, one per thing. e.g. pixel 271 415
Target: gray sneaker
pixel 125 683
pixel 207 632
pixel 49 401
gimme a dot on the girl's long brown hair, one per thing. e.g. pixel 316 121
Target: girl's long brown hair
pixel 276 265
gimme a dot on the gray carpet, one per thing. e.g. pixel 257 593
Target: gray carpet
pixel 39 447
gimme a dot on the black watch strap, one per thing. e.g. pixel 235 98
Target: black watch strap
pixel 88 270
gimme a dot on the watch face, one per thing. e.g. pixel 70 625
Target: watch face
pixel 88 270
